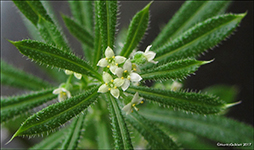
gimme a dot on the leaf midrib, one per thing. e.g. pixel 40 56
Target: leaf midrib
pixel 87 98
pixel 189 43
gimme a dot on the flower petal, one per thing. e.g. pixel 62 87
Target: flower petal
pixel 148 48
pixel 118 82
pixel 57 91
pixel 149 55
pixel 103 88
pixel 106 77
pixel 119 59
pixel 78 75
pixel 115 92
pixel 127 65
pixel 68 94
pixel 68 72
pixel 136 99
pixel 113 68
pixel 126 84
pixel 127 108
pixel 135 77
pixel 102 62
pixel 119 72
pixel 109 52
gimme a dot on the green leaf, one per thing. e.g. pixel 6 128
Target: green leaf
pixel 52 56
pixel 224 92
pixel 107 12
pixel 136 30
pixel 54 116
pixel 12 107
pixel 17 78
pixel 103 135
pixel 217 128
pixel 82 12
pixel 53 141
pixel 179 69
pixel 120 131
pixel 198 39
pixel 156 138
pixel 73 136
pixel 52 35
pixel 187 16
pixel 33 10
pixel 193 102
pixel 79 32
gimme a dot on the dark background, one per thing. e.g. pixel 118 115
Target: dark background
pixel 233 64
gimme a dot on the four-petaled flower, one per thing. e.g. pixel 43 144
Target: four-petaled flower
pixel 126 73
pixel 63 93
pixel 149 55
pixel 111 85
pixel 77 75
pixel 135 101
pixel 111 61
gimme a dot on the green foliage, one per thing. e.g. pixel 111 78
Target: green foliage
pixel 52 56
pixel 15 106
pixel 136 30
pixel 115 80
pixel 17 78
pixel 217 128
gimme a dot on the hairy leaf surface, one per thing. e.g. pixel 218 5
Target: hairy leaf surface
pixel 107 12
pixel 193 102
pixel 52 56
pixel 120 131
pixel 73 135
pixel 187 16
pixel 17 78
pixel 33 10
pixel 54 116
pixel 156 138
pixel 14 106
pixel 179 69
pixel 199 38
pixel 136 30
pixel 79 32
pixel 217 128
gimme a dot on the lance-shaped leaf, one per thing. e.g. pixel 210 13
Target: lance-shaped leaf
pixel 53 116
pixel 187 16
pixel 217 128
pixel 33 10
pixel 73 135
pixel 193 102
pixel 78 31
pixel 14 106
pixel 107 12
pixel 199 38
pixel 17 78
pixel 52 56
pixel 82 11
pixel 136 30
pixel 51 34
pixel 120 131
pixel 179 69
pixel 53 141
pixel 156 138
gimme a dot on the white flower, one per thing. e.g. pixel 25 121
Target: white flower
pixel 150 55
pixel 111 61
pixel 63 93
pixel 126 73
pixel 111 85
pixel 77 75
pixel 175 86
pixel 135 101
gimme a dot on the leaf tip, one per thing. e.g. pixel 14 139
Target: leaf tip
pixel 232 104
pixel 207 62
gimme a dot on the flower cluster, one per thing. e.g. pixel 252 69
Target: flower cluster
pixel 122 72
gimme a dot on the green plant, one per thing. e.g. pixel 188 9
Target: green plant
pixel 112 84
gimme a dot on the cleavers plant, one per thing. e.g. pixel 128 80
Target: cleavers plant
pixel 102 98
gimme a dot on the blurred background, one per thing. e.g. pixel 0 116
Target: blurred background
pixel 233 64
